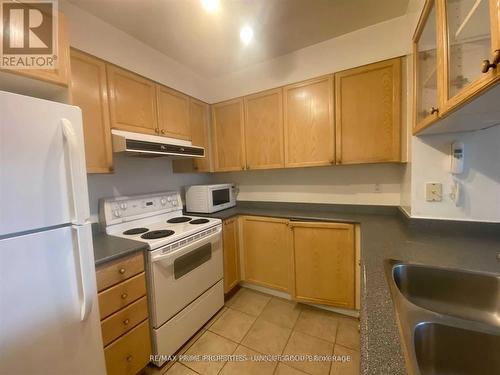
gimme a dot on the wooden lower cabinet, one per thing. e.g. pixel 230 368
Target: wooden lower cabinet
pixel 124 315
pixel 266 252
pixel 231 254
pixel 130 354
pixel 324 263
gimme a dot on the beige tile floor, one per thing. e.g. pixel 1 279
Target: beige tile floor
pixel 253 324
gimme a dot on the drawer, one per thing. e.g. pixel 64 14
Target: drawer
pixel 120 295
pixel 129 354
pixel 119 270
pixel 124 320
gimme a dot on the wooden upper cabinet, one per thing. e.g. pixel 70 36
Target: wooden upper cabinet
pixel 264 130
pixel 199 118
pixel 132 101
pixel 89 91
pixel 427 65
pixel 267 253
pixel 231 254
pixel 308 117
pixel 324 263
pixel 471 49
pixel 173 113
pixel 60 75
pixel 368 113
pixel 228 135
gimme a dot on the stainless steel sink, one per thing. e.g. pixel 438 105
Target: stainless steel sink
pixel 442 349
pixel 467 295
pixel 449 319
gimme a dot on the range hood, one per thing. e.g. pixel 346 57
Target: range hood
pixel 143 145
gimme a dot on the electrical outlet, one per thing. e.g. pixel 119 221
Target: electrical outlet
pixel 433 192
pixel 377 188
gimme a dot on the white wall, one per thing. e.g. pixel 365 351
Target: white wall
pixel 138 176
pixel 480 180
pixel 340 184
pixel 92 35
pixel 374 43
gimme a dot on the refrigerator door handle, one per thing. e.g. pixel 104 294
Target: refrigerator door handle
pixel 77 171
pixel 84 269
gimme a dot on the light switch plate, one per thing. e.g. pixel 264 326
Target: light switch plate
pixel 433 192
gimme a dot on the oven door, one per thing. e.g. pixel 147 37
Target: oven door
pixel 180 276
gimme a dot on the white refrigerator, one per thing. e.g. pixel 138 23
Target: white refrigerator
pixel 49 316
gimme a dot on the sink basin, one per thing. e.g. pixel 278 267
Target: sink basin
pixel 443 349
pixel 462 294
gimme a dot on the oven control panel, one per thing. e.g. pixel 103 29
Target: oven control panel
pixel 122 209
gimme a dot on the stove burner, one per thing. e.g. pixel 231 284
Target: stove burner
pixel 179 219
pixel 157 234
pixel 136 231
pixel 199 221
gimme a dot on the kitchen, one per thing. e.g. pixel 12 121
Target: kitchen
pixel 285 187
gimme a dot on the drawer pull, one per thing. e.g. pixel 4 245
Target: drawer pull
pixel 129 358
pixel 124 295
pixel 126 321
pixel 121 270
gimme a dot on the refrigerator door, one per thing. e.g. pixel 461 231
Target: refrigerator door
pixel 41 304
pixel 43 181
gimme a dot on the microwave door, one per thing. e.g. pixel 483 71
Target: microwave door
pixel 221 197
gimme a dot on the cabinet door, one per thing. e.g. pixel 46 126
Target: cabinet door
pixel 132 101
pixel 60 75
pixel 324 263
pixel 199 118
pixel 368 113
pixel 471 35
pixel 264 130
pixel 231 254
pixel 427 61
pixel 308 115
pixel 173 113
pixel 267 254
pixel 228 132
pixel 89 91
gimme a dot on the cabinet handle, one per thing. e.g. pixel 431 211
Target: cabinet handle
pixel 242 167
pixel 486 65
pixel 121 270
pixel 130 358
pixel 434 110
pixel 162 131
pixel 157 130
pixel 124 295
pixel 126 321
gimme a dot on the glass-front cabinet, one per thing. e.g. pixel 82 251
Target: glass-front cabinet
pixel 426 56
pixel 456 50
pixel 472 49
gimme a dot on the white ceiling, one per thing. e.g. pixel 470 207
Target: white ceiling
pixel 209 44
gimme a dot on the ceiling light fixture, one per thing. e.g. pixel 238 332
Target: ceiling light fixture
pixel 211 6
pixel 246 34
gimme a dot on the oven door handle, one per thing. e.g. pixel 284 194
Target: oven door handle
pixel 186 249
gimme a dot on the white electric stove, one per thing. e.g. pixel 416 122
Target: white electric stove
pixel 184 264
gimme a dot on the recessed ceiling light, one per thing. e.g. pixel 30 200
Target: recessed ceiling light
pixel 211 6
pixel 246 34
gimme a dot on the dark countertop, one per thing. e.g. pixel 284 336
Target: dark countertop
pixel 108 248
pixel 387 233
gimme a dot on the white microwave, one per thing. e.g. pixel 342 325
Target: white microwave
pixel 210 198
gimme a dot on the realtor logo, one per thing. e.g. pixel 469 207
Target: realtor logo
pixel 29 34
